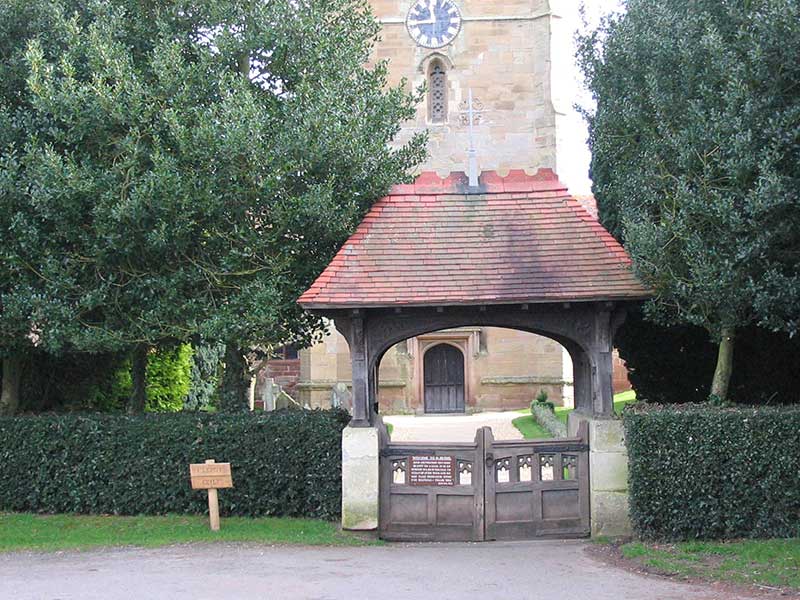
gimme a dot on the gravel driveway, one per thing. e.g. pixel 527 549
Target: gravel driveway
pixel 452 428
pixel 489 571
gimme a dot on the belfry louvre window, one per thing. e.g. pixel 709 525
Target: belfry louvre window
pixel 437 90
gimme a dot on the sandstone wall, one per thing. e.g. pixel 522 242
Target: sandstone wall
pixel 503 53
pixel 505 369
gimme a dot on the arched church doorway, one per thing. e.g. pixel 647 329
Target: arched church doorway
pixel 443 368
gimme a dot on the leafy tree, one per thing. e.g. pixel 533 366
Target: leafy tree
pixel 19 22
pixel 696 159
pixel 102 382
pixel 674 364
pixel 73 382
pixel 175 171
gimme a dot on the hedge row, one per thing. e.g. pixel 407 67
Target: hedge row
pixel 546 417
pixel 698 472
pixel 284 463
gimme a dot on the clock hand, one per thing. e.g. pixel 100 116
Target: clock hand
pixel 427 22
pixel 432 10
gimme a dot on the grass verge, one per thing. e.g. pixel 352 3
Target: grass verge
pixel 773 563
pixel 19 531
pixel 530 428
pixel 623 398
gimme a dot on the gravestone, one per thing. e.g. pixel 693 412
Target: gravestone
pixel 341 397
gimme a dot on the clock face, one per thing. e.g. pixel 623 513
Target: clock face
pixel 433 23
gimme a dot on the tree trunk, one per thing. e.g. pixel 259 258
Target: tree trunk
pixel 243 64
pixel 9 398
pixel 251 393
pixel 722 374
pixel 138 399
pixel 235 382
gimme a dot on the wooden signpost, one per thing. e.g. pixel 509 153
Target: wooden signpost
pixel 211 476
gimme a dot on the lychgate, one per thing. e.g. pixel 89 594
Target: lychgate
pixel 516 252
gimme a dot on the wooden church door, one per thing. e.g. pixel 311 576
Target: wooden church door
pixel 444 379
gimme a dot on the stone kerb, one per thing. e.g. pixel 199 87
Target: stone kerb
pixel 360 483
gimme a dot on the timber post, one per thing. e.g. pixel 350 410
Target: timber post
pixel 361 379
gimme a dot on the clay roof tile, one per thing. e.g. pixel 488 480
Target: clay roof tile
pixel 518 238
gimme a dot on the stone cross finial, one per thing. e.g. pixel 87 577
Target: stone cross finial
pixel 470 113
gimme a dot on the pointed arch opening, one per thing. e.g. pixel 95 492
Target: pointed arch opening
pixel 437 91
pixel 443 379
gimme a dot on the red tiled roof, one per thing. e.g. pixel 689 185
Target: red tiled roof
pixel 519 239
pixel 589 203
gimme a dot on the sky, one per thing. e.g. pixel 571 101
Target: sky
pixel 575 173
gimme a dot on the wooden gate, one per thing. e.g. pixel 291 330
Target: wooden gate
pixel 443 368
pixel 485 490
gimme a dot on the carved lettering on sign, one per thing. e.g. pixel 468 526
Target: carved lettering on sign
pixel 432 470
pixel 207 483
pixel 211 476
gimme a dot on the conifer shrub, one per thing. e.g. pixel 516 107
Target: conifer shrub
pixel 169 379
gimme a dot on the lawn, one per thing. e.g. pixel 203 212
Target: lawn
pixel 774 563
pixel 77 532
pixel 531 429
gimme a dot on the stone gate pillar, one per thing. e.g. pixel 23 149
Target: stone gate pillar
pixel 360 478
pixel 608 474
pixel 608 458
pixel 608 479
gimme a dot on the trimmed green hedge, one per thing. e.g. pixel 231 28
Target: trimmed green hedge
pixel 698 472
pixel 283 463
pixel 544 413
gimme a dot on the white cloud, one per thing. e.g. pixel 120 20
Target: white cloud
pixel 573 152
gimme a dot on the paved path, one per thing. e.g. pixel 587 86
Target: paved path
pixel 489 571
pixel 452 428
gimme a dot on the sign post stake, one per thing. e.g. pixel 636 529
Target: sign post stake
pixel 213 504
pixel 211 476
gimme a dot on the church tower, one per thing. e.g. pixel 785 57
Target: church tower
pixel 505 52
pixel 500 49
